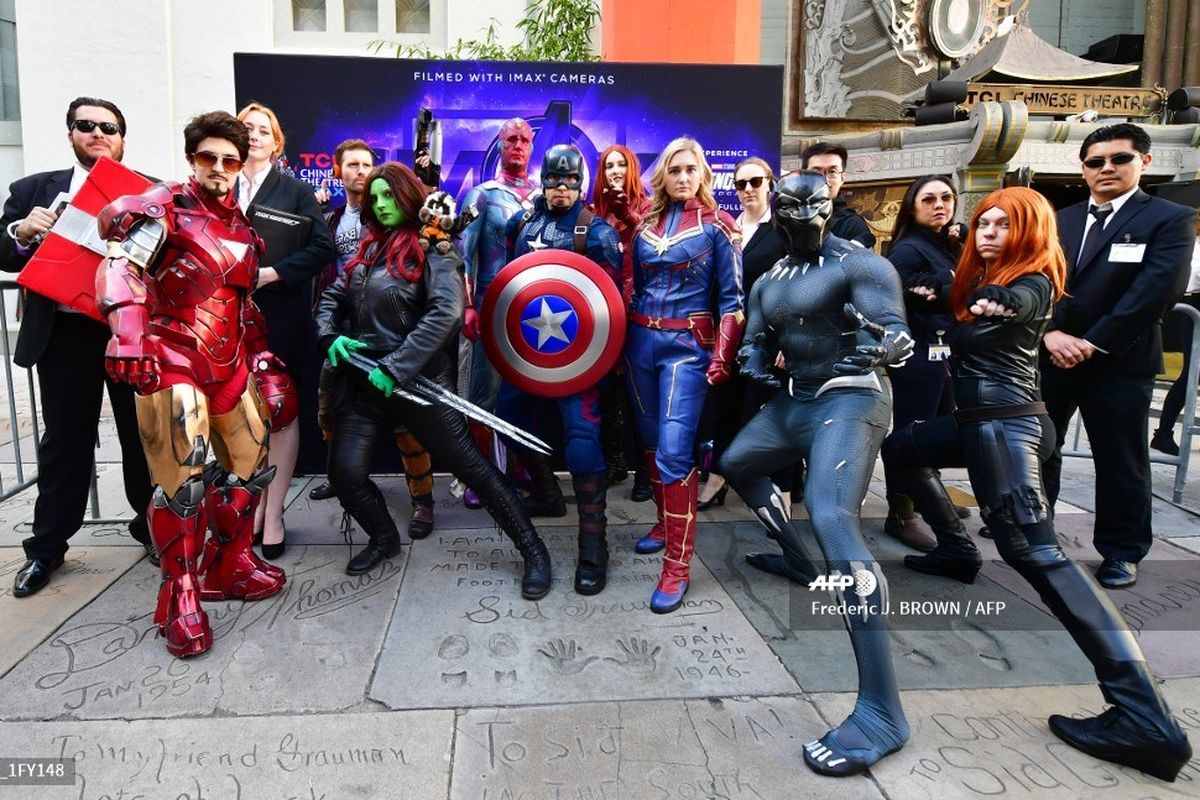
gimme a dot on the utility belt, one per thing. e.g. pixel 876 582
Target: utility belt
pixel 701 324
pixel 985 413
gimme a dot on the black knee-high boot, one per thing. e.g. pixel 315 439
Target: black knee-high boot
pixel 545 497
pixel 591 573
pixel 955 556
pixel 366 504
pixel 503 503
pixel 1138 730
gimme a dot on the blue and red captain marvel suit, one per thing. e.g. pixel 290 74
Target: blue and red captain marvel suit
pixel 686 324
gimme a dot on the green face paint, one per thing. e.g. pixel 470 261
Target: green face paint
pixel 384 204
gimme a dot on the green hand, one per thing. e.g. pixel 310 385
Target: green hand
pixel 341 348
pixel 382 381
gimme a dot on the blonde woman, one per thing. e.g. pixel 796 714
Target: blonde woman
pixel 686 323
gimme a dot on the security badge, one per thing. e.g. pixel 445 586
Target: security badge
pixel 939 351
pixel 1127 252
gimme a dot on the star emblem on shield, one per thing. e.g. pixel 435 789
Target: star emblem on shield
pixel 553 323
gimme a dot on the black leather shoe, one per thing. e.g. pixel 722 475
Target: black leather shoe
pixel 376 551
pixel 34 576
pixel 1115 574
pixel 421 524
pixel 1115 736
pixel 590 578
pixel 323 491
pixel 152 555
pixel 1164 442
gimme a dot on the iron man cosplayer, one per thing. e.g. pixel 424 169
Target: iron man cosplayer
pixel 175 289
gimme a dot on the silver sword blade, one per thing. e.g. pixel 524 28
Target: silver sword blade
pixel 436 391
pixel 423 392
pixel 369 365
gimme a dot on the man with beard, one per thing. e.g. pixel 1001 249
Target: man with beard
pixel 68 349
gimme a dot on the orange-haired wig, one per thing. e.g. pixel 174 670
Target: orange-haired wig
pixel 1032 246
pixel 633 180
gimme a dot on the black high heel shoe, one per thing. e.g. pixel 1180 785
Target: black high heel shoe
pixel 717 499
pixel 272 552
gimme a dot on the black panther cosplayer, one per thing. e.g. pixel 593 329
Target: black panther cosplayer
pixel 834 311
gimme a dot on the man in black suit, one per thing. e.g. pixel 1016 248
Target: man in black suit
pixel 1128 255
pixel 68 349
pixel 830 160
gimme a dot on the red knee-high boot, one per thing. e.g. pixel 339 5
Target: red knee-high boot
pixel 230 569
pixel 679 521
pixel 655 540
pixel 177 530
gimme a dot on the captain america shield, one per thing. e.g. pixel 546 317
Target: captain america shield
pixel 553 323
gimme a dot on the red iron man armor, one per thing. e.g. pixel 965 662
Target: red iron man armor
pixel 175 290
pixel 208 265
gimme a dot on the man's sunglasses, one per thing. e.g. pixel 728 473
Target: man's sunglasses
pixel 753 183
pixel 209 160
pixel 87 126
pixel 1120 159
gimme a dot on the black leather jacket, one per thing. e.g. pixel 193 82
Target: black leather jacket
pixel 996 360
pixel 405 324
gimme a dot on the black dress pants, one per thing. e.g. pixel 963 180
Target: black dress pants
pixel 71 379
pixel 1116 412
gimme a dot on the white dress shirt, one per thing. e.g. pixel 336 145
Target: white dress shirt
pixel 1089 220
pixel 247 188
pixel 750 226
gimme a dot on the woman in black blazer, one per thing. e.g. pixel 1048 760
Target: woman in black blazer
pixel 734 402
pixel 284 296
pixel 922 245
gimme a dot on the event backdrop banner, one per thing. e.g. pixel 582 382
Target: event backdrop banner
pixel 733 111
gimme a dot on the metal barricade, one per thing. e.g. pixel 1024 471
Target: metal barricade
pixel 24 480
pixel 26 408
pixel 1190 428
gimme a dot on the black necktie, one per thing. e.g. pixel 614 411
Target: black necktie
pixel 1101 213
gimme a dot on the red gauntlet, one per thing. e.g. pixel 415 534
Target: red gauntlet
pixel 131 355
pixel 729 337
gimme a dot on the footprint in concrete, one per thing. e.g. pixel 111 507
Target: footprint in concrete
pixel 453 646
pixel 506 680
pixel 909 651
pixel 454 678
pixel 989 649
pixel 503 645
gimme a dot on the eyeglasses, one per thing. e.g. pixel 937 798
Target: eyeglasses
pixel 87 126
pixel 209 160
pixel 753 183
pixel 1119 159
pixel 828 172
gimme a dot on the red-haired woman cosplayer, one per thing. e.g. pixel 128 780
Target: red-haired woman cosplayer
pixel 1005 285
pixel 399 306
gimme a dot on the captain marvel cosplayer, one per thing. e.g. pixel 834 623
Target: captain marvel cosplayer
pixel 687 322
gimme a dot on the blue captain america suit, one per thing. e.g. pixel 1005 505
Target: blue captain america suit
pixel 550 325
pixel 530 232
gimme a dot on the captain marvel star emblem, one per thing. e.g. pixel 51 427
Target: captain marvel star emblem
pixel 553 323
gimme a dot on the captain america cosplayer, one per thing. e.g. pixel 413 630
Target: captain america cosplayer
pixel 559 220
pixel 687 323
pixel 483 249
pixel 834 311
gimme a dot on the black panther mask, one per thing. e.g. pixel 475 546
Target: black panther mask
pixel 800 211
